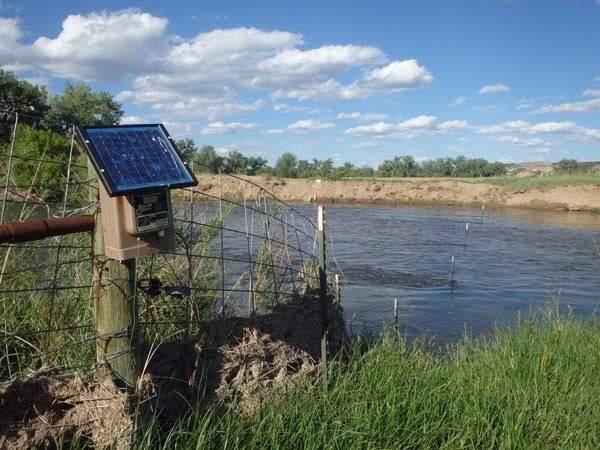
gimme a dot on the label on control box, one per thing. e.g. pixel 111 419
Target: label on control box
pixel 152 211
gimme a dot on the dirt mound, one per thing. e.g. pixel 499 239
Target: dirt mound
pixel 42 412
pixel 242 358
pixel 234 358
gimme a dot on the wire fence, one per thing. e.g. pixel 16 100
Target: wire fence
pixel 238 255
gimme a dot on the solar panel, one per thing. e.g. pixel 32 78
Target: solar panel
pixel 135 158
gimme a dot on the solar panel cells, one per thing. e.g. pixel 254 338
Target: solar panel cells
pixel 133 158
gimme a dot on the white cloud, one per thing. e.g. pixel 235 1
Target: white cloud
pixel 274 131
pixel 293 65
pixel 209 75
pixel 586 106
pixel 225 128
pixel 309 126
pixel 592 92
pixel 362 117
pixel 411 128
pixel 521 126
pixel 396 77
pixel 458 101
pixel 418 122
pixel 100 46
pixel 452 125
pixel 570 130
pixel 519 142
pixel 491 88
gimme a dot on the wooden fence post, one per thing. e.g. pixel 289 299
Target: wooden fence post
pixel 116 310
pixel 323 291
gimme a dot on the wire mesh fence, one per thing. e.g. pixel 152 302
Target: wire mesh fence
pixel 238 255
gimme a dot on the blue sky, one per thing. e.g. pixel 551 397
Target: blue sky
pixel 357 81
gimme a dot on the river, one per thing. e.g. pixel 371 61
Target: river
pixel 506 261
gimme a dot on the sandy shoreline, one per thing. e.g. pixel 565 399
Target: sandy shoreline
pixel 415 191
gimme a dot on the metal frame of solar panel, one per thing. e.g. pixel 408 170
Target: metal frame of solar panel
pixel 135 158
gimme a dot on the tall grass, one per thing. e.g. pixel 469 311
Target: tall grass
pixel 536 386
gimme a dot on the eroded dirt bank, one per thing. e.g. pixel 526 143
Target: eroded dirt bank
pixel 409 192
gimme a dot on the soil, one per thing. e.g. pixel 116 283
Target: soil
pixel 239 361
pixel 409 191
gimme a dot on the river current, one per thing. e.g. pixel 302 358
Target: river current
pixel 506 262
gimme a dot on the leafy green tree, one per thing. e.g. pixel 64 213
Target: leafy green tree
pixel 80 106
pixel 255 164
pixel 326 168
pixel 235 162
pixel 30 101
pixel 568 166
pixel 286 166
pixel 43 169
pixel 207 160
pixel 187 147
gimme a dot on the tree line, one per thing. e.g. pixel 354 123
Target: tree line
pixel 289 166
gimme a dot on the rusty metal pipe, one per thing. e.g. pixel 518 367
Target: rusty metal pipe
pixel 36 229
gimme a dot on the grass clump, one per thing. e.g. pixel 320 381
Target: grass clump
pixel 534 386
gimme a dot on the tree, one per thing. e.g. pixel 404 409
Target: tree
pixel 235 162
pixel 326 168
pixel 187 147
pixel 254 164
pixel 44 167
pixel 568 166
pixel 207 160
pixel 79 106
pixel 20 96
pixel 286 166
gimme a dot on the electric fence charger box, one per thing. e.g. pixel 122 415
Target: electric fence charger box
pixel 136 224
pixel 137 166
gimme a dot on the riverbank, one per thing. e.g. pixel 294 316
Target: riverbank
pixel 409 191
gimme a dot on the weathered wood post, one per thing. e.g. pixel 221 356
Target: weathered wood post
pixel 115 309
pixel 323 289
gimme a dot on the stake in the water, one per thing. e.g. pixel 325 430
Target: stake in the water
pixel 466 233
pixel 452 271
pixel 482 211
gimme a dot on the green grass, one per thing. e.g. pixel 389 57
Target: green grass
pixel 536 386
pixel 514 184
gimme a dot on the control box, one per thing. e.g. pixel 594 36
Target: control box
pixel 149 212
pixel 136 224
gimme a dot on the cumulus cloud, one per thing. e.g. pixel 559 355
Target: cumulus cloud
pixel 592 92
pixel 491 88
pixel 96 47
pixel 411 128
pixel 309 126
pixel 519 142
pixel 452 125
pixel 396 77
pixel 585 106
pixel 208 75
pixel 570 130
pixel 226 128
